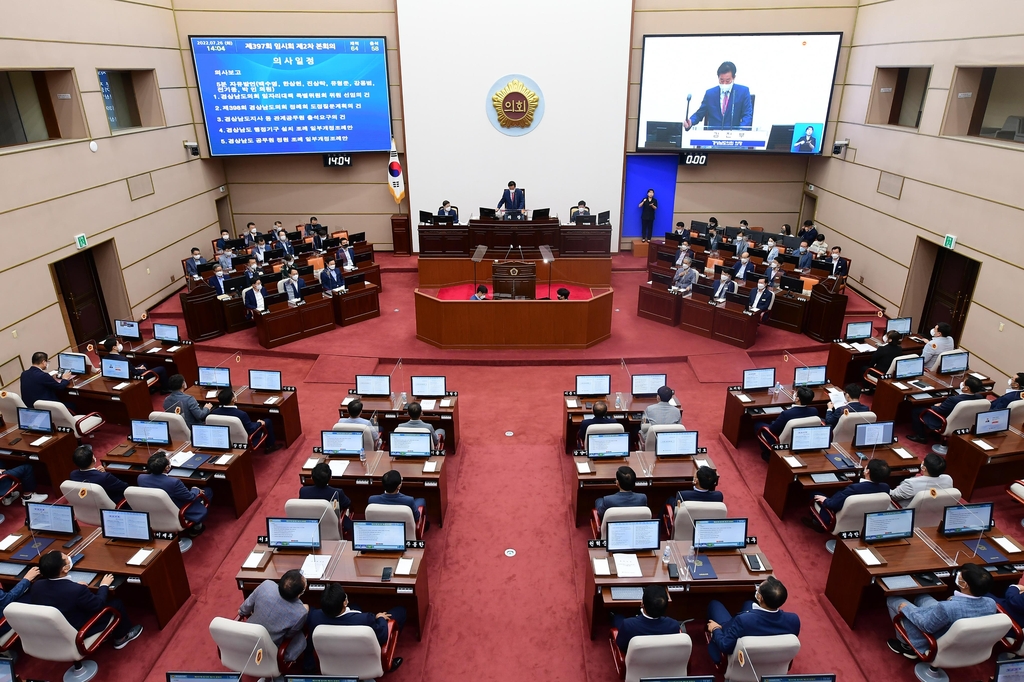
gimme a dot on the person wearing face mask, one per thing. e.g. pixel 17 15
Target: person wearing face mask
pixel 514 201
pixel 259 249
pixel 647 207
pixel 252 270
pixel 225 236
pixel 225 259
pixel 346 255
pixel 37 384
pixel 926 424
pixel 1015 384
pixel 446 209
pixel 818 247
pixel 772 249
pixel 684 253
pixel 742 242
pixel 182 403
pixel 193 263
pixel 114 350
pixel 582 209
pixel 726 106
pixel 283 243
pixel 804 257
pixel 217 281
pixel 293 285
pixel 838 265
pixel 685 277
pixel 809 232
pixel 330 278
pixel 741 267
pixel 786 230
pixel 885 354
pixel 773 272
pixel 253 299
pixel 318 240
pixel 251 235
pixel 312 227
pixel 713 239
pixel 762 617
pixel 941 342
pixel 725 286
pixel 927 615
pixel 760 298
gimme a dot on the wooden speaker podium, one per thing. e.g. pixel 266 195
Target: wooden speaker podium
pixel 514 279
pixel 825 310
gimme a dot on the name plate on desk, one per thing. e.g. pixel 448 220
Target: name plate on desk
pixel 642 484
pixel 220 477
pixel 405 590
pixel 317 587
pixel 446 416
pixel 72 392
pixel 116 398
pixel 275 411
pixel 362 481
pixel 429 484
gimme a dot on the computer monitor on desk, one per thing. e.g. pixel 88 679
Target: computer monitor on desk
pixel 115 369
pixel 991 422
pixel 607 445
pixel 1011 670
pixel 541 213
pixel 794 284
pixel 235 283
pixel 166 333
pixel 727 249
pixel 264 380
pixel 51 518
pixel 738 299
pixel 675 444
pixel 443 219
pixel 71 362
pixel 647 385
pixel 145 432
pixel 426 217
pixel 285 533
pixel 909 368
pixel 127 329
pixel 873 435
pixel 811 438
pixel 888 525
pixel 119 524
pixel 900 324
pixel 215 377
pixel 429 387
pixel 372 385
pixel 954 363
pixel 823 677
pixel 809 376
pixel 204 677
pixel 35 421
pixel 720 534
pixel 593 385
pixel 604 218
pixel 378 536
pixel 966 519
pixel 633 536
pixel 211 437
pixel 341 443
pixel 488 213
pixel 357 238
pixel 585 219
pixel 856 331
pixel 758 379
pixel 406 444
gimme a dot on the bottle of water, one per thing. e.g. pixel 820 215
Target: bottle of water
pixel 392 399
pixel 666 556
pixel 362 455
pixel 618 400
pixel 690 556
pixel 778 388
pixel 403 399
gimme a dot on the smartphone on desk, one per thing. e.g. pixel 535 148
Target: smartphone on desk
pixel 385 575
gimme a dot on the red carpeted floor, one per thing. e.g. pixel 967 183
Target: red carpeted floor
pixel 493 617
pixel 463 292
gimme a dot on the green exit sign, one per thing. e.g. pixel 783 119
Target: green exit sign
pixel 81 241
pixel 949 242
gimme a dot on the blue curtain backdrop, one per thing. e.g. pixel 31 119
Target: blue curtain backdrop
pixel 644 172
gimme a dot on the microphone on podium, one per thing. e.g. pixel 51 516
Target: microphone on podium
pixel 688 97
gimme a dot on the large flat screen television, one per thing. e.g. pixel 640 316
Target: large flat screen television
pixel 779 92
pixel 293 94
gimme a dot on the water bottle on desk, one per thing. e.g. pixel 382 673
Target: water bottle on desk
pixel 666 556
pixel 362 455
pixel 403 399
pixel 618 400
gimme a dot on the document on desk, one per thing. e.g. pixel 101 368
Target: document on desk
pixel 347 400
pixel 314 566
pixel 824 478
pixel 627 566
pixel 446 402
pixel 153 350
pixel 121 386
pixel 253 560
pixel 583 467
pixel 39 441
pixel 404 566
pixel 867 556
pixel 223 460
pixel 903 454
pixel 899 582
pixel 311 462
pixel 428 404
pixel 1007 544
pixel 429 467
pixel 173 348
pixel 744 398
pixel 845 345
pixel 572 403
pixel 139 557
pixel 773 410
pixel 338 466
pixel 921 396
pixel 211 394
pixel 899 385
pixel 793 462
pixel 271 400
pixel 979 376
pixel 864 347
pixel 601 567
pixel 8 542
pixel 701 463
pixel 180 458
pixel 980 442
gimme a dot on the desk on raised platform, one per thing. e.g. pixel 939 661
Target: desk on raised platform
pixel 893 403
pixel 739 417
pixel 972 466
pixel 118 405
pixel 55 454
pixel 847 365
pixel 154 353
pixel 390 418
pixel 283 412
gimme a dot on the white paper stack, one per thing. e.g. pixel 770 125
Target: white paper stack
pixel 572 403
pixel 428 404
pixel 627 566
pixel 253 560
pixel 8 542
pixel 903 454
pixel 601 567
pixel 271 400
pixel 338 466
pixel 583 467
pixel 837 398
pixel 180 458
pixel 793 461
pixel 982 444
pixel 404 566
pixel 139 557
pixel 314 566
pixel 347 400
pixel 743 398
pixel 173 348
pixel 867 556
pixel 864 347
pixel 311 462
pixel 39 441
pixel 223 460
pixel 153 350
pixel 211 394
pixel 1007 545
pixel 446 402
pixel 121 386
pixel 429 467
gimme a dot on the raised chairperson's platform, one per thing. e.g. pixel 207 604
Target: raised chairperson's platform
pixel 436 273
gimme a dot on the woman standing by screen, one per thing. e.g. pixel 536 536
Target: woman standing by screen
pixel 648 206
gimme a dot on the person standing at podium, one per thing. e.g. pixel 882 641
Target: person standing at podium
pixel 514 202
pixel 647 208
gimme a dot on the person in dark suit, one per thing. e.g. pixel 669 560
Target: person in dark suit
pixel 114 350
pixel 193 263
pixel 322 490
pixel 76 602
pixel 312 227
pixel 253 298
pixel 226 408
pixel 625 480
pixel 1015 384
pixel 392 481
pixel 514 202
pixel 713 239
pixel 874 482
pixel 346 255
pixel 335 610
pixel 562 293
pixel 446 209
pixel 252 270
pixel 683 253
pixel 889 351
pixel 762 617
pixel 853 404
pixel 330 278
pixel 217 281
pixel 742 266
pixel 283 244
pixel 651 621
pixel 725 286
pixel 37 384
pixel 259 249
pixel 838 266
pixel 925 424
pixel 600 417
pixel 808 232
pixel 726 106
pixel 802 408
pixel 91 471
pixel 293 285
pixel 319 237
pixel 1012 601
pixel 481 293
pixel 251 235
pixel 225 236
pixel 648 207
pixel 808 143
pixel 772 273
pixel 181 403
pixel 760 298
pixel 705 486
pixel 157 468
pixel 804 256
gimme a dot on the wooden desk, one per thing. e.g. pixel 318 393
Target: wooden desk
pixel 359 574
pixel 444 272
pixel 688 598
pixel 629 413
pixel 659 479
pixel 283 323
pixel 738 420
pixel 389 418
pixel 368 269
pixel 788 312
pixel 726 322
pixel 162 580
pixel 203 312
pixel 972 467
pixel 892 403
pixel 847 365
pixel 284 413
pixel 849 578
pixel 54 454
pixel 564 240
pixel 362 480
pixel 360 302
pixel 153 353
pixel 96 394
pixel 234 482
pixel 656 302
pixel 786 486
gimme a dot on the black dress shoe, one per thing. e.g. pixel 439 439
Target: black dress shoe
pixel 196 530
pixel 396 663
pixel 898 647
pixel 917 439
pixel 812 524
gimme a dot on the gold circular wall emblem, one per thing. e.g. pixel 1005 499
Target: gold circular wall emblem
pixel 513 271
pixel 515 105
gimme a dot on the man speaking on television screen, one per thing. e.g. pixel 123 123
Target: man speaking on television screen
pixel 725 107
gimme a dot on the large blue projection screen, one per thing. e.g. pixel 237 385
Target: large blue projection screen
pixel 293 95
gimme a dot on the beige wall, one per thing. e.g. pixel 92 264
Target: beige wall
pixel 963 186
pixel 1007 98
pixel 765 191
pixel 52 191
pixel 292 188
